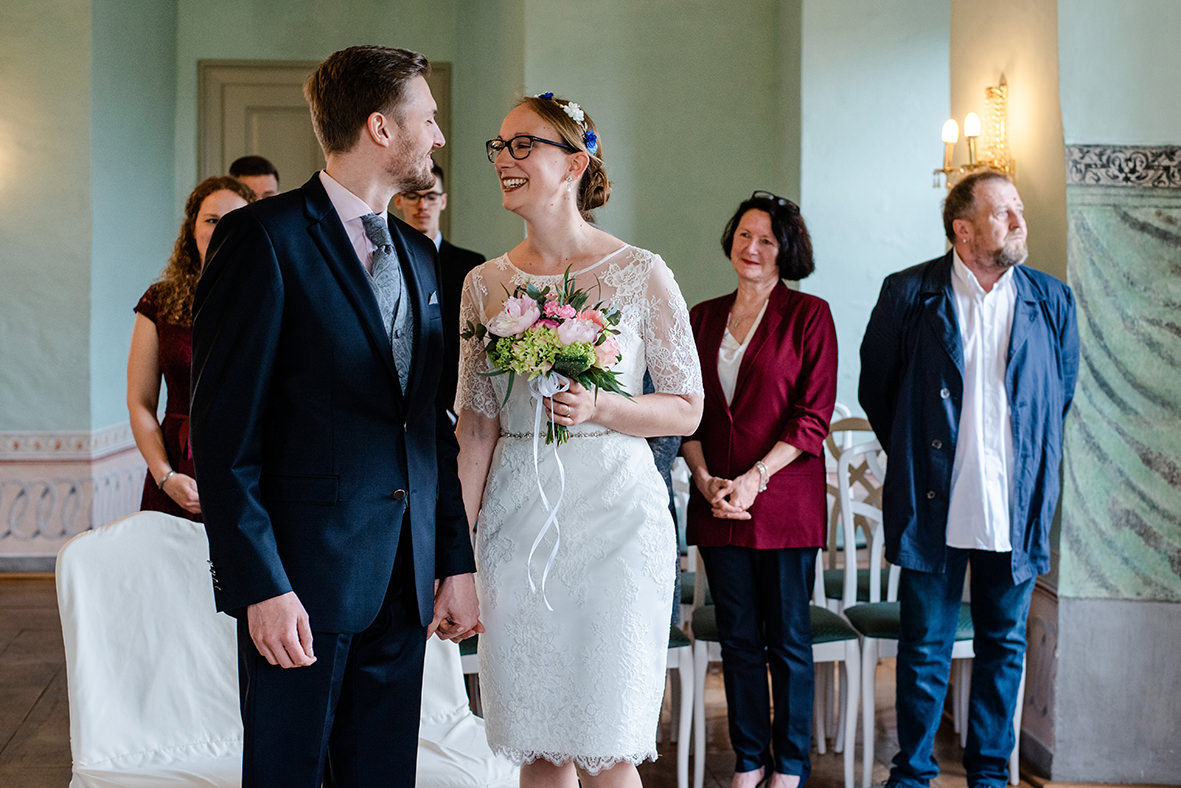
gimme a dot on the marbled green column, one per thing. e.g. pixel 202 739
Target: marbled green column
pixel 1121 505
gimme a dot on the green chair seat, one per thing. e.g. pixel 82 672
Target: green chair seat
pixel 677 638
pixel 705 624
pixel 834 580
pixel 881 620
pixel 828 627
pixel 469 646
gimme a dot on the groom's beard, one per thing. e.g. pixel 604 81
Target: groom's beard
pixel 412 169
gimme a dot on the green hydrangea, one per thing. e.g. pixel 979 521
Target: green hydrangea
pixel 531 354
pixel 575 359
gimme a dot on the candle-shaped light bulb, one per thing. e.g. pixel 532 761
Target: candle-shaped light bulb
pixel 972 125
pixel 951 133
pixel 971 132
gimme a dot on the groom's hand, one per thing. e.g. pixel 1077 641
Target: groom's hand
pixel 457 612
pixel 280 631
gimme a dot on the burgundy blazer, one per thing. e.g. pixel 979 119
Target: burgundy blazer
pixel 786 390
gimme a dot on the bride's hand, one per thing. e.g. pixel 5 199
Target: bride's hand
pixel 573 406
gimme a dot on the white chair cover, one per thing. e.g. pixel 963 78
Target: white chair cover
pixel 153 676
pixel 151 666
pixel 453 751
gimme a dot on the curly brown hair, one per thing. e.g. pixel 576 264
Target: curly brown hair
pixel 593 189
pixel 178 281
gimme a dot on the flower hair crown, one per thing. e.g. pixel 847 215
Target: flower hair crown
pixel 589 138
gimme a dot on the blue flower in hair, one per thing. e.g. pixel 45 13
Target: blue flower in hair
pixel 547 95
pixel 592 141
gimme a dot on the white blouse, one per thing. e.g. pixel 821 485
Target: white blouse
pixel 730 355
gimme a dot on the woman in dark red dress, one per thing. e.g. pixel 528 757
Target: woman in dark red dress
pixel 162 345
pixel 757 510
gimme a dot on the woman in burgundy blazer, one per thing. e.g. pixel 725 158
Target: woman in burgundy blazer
pixel 757 508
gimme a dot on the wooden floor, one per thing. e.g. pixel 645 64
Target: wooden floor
pixel 34 714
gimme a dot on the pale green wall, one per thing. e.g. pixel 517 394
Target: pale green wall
pixel 488 75
pixel 44 215
pixel 133 99
pixel 685 100
pixel 874 96
pixel 1120 64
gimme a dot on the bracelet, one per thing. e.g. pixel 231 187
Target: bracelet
pixel 164 478
pixel 763 475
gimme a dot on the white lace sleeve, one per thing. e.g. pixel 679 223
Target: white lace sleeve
pixel 668 339
pixel 475 391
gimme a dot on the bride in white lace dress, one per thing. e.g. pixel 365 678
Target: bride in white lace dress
pixel 573 692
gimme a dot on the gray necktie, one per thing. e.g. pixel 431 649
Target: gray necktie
pixel 386 281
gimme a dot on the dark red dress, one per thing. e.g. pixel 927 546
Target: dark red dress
pixel 176 358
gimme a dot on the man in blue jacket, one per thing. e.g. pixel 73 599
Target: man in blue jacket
pixel 968 368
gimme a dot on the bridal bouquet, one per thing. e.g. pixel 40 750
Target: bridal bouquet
pixel 551 337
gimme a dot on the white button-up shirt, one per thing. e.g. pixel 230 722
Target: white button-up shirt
pixel 978 512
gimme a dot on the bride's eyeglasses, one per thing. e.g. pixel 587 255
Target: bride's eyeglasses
pixel 520 146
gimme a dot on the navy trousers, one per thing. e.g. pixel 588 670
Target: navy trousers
pixel 930 605
pixel 762 599
pixel 349 720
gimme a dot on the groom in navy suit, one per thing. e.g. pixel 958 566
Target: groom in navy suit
pixel 327 467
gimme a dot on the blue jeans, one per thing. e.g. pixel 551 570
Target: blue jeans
pixel 762 599
pixel 930 606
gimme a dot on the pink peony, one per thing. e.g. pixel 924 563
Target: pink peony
pixel 554 309
pixel 608 352
pixel 593 315
pixel 576 330
pixel 518 315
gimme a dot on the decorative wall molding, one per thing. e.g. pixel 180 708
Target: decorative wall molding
pixel 1141 166
pixel 58 446
pixel 54 486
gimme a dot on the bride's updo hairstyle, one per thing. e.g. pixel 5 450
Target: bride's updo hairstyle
pixel 577 130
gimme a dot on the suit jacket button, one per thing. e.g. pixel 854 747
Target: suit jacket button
pixel 944 393
pixel 936 444
pixel 399 495
pixel 930 495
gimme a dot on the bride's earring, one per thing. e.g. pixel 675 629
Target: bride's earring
pixel 569 184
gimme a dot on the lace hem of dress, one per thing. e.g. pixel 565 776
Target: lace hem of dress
pixel 590 764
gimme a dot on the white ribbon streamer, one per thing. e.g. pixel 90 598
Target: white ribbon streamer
pixel 541 388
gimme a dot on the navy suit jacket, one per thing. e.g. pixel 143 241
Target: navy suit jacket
pixel 912 387
pixel 309 457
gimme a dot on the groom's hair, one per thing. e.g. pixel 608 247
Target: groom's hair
pixel 354 83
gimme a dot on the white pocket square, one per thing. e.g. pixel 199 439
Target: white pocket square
pixel 434 299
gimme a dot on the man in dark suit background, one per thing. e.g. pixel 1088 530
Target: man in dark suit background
pixel 333 511
pixel 421 209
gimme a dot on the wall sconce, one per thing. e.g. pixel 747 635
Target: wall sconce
pixel 996 156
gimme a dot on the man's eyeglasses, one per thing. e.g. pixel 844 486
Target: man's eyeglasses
pixel 430 198
pixel 520 146
pixel 782 202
